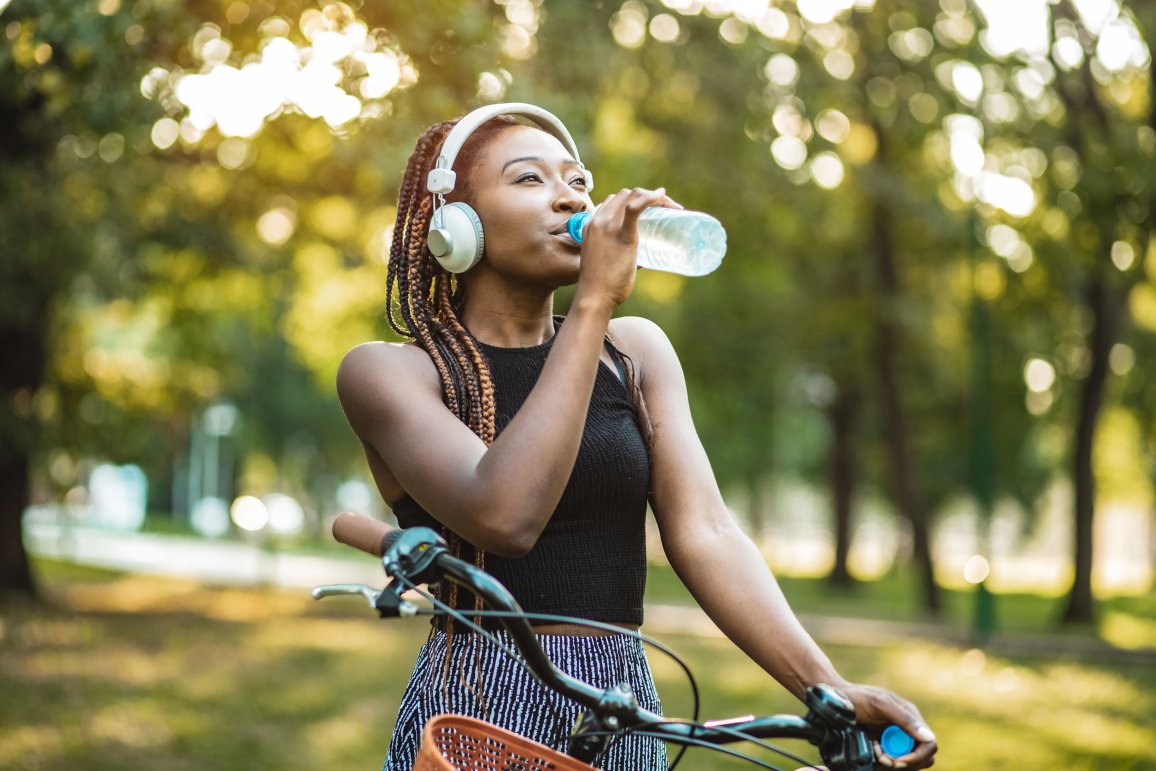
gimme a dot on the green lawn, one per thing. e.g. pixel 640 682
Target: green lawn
pixel 1126 621
pixel 127 673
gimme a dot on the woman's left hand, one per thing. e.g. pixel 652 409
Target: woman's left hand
pixel 877 707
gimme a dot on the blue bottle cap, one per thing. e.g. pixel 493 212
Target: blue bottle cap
pixel 576 223
pixel 896 741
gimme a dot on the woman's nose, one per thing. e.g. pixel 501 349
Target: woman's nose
pixel 569 200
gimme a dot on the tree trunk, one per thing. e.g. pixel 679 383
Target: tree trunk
pixel 843 415
pixel 887 342
pixel 22 351
pixel 1103 304
pixel 15 573
pixel 896 422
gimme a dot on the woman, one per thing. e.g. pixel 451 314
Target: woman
pixel 535 443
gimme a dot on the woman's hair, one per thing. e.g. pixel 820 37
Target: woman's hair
pixel 425 300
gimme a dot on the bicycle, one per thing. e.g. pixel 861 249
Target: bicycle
pixel 419 556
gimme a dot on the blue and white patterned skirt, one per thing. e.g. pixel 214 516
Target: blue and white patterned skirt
pixel 483 682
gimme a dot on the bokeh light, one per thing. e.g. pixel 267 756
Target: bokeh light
pixel 249 513
pixel 276 226
pixel 823 11
pixel 833 126
pixel 628 25
pixel 789 152
pixel 827 170
pixel 331 77
pixel 1039 375
pixel 664 28
pixel 286 516
pixel 1123 255
pixel 782 70
pixel 976 569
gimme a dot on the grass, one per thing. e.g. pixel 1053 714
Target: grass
pixel 1127 622
pixel 131 673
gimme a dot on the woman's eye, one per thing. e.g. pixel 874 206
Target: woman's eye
pixel 581 181
pixel 528 176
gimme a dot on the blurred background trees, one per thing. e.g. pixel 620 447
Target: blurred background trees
pixel 938 294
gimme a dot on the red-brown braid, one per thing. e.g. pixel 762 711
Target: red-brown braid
pixel 424 300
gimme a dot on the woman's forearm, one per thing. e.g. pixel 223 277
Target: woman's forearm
pixel 521 477
pixel 728 576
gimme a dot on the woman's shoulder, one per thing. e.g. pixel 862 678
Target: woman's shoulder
pixel 383 368
pixel 380 353
pixel 637 336
pixel 648 347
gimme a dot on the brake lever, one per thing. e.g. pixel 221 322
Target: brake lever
pixel 387 602
pixel 335 590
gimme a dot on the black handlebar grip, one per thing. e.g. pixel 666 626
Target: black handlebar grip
pixel 389 539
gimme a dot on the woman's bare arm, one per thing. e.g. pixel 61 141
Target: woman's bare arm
pixel 719 564
pixel 493 497
pixel 501 497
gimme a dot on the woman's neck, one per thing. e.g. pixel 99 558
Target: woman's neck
pixel 509 319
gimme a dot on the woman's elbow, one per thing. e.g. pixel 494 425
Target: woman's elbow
pixel 497 523
pixel 509 547
pixel 508 540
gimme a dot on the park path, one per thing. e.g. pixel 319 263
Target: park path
pixel 256 563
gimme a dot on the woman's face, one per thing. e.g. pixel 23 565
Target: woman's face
pixel 524 188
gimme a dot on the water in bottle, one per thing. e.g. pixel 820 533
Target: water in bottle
pixel 675 240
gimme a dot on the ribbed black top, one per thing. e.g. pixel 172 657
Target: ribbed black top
pixel 590 561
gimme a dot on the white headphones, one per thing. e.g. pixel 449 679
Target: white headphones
pixel 455 236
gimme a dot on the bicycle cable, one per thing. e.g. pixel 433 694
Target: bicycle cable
pixel 441 608
pixel 493 639
pixel 721 749
pixel 695 699
pixel 703 744
pixel 686 742
pixel 746 737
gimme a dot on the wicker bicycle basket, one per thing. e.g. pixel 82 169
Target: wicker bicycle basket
pixel 459 743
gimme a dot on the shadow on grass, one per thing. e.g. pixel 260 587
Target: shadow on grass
pixel 133 673
pixel 139 673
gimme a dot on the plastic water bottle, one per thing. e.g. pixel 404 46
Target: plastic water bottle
pixel 675 240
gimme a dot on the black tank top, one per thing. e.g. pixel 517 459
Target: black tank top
pixel 590 561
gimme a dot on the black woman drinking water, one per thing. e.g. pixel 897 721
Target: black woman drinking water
pixel 534 443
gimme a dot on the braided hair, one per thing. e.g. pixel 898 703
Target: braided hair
pixel 425 299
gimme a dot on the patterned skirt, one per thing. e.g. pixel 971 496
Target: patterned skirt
pixel 483 682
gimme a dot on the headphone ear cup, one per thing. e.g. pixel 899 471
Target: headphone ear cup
pixel 456 237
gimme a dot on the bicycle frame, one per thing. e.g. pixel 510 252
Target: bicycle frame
pixel 418 555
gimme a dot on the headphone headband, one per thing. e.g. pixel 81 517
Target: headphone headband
pixel 455 237
pixel 442 178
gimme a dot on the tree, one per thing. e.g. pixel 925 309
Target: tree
pixel 52 63
pixel 145 223
pixel 1084 96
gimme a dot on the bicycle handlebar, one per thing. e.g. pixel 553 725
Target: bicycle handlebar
pixel 364 533
pixel 418 555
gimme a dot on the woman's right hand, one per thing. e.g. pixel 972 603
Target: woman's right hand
pixel 610 244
